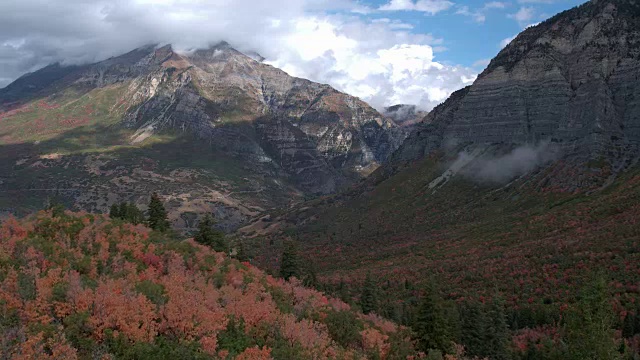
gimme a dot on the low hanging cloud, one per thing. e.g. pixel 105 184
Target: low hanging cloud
pixel 504 168
pixel 328 41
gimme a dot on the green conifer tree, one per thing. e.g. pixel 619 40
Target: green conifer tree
pixel 133 214
pixel 290 265
pixel 157 214
pixel 114 212
pixel 473 329
pixel 123 210
pixel 497 331
pixel 368 300
pixel 431 325
pixel 589 328
pixel 208 235
pixel 310 279
pixel 241 251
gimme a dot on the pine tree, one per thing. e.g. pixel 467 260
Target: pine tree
pixel 589 328
pixel 55 206
pixel 310 279
pixel 431 325
pixel 497 331
pixel 134 215
pixel 114 212
pixel 473 329
pixel 368 301
pixel 123 210
pixel 290 265
pixel 157 214
pixel 241 252
pixel 209 236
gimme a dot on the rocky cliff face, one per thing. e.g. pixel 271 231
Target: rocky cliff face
pixel 571 81
pixel 209 89
pixel 288 137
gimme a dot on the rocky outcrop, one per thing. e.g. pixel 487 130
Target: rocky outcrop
pixel 571 80
pixel 218 88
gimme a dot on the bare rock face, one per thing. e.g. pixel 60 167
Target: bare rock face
pixel 571 80
pixel 209 91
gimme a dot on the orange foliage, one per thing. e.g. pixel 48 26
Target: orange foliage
pixel 255 354
pixel 121 283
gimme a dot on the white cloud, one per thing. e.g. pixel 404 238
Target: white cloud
pixel 524 15
pixel 381 61
pixel 506 41
pixel 480 15
pixel 394 24
pixel 427 6
pixel 496 5
pixel 382 67
pixel 477 16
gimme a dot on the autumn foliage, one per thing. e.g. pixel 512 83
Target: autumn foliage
pixel 82 286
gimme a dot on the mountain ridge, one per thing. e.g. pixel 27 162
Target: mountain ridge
pixel 289 137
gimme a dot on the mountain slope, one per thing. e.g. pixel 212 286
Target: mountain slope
pixel 520 185
pixel 80 286
pixel 212 130
pixel 570 81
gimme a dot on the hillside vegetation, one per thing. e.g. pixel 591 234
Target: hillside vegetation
pixel 533 249
pixel 77 285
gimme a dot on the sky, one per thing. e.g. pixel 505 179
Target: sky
pixel 384 51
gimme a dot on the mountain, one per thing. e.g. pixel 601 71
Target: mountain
pixel 518 187
pixel 570 82
pixel 405 115
pixel 115 290
pixel 211 130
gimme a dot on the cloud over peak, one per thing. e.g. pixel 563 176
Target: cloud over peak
pixel 328 41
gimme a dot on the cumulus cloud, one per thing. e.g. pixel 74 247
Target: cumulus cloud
pixel 328 41
pixel 427 6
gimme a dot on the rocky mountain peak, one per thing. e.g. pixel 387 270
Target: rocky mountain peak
pixel 289 137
